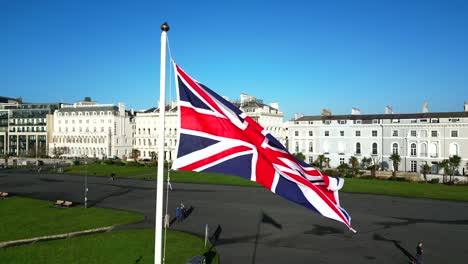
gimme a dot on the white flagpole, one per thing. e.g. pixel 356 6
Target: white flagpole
pixel 159 182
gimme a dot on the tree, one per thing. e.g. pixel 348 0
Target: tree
pixel 425 169
pixel 395 158
pixel 444 165
pixel 366 162
pixel 354 162
pixel 375 165
pixel 299 155
pixel 135 154
pixel 454 162
pixel 343 169
pixel 6 156
pixel 153 156
pixel 320 160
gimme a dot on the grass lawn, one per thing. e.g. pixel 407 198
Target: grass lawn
pixel 145 172
pixel 128 246
pixel 406 189
pixel 136 172
pixel 27 218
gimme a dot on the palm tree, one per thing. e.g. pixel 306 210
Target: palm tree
pixel 299 155
pixel 154 156
pixel 354 162
pixel 366 162
pixel 425 169
pixel 6 156
pixel 320 160
pixel 454 162
pixel 375 164
pixel 395 158
pixel 343 168
pixel 135 154
pixel 444 164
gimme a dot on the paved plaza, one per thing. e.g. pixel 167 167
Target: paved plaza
pixel 388 227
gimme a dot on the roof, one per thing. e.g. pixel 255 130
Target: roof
pixel 4 99
pixel 91 108
pixel 385 116
pixel 156 109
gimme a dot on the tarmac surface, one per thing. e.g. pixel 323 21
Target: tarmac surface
pixel 388 227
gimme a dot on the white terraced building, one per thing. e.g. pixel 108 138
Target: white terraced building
pixel 147 124
pixel 417 137
pixel 268 116
pixel 146 132
pixel 94 130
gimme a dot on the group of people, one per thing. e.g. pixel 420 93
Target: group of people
pixel 180 215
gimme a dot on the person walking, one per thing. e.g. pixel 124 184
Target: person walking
pixel 419 253
pixel 177 214
pixel 167 220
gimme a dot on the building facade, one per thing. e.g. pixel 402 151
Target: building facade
pixel 418 138
pixel 147 132
pixel 268 116
pixel 24 131
pixel 93 130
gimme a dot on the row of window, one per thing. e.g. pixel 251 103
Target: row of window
pixel 81 129
pixel 144 142
pixel 454 149
pixel 27 129
pixel 145 131
pixel 377 121
pixel 94 113
pixel 80 121
pixel 29 121
pixel 395 133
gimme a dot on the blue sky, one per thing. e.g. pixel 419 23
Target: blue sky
pixel 306 55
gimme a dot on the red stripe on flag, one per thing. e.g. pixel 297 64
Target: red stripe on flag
pixel 216 157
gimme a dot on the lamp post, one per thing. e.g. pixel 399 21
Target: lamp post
pixel 86 183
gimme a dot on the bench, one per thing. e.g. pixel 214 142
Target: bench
pixel 63 204
pixel 59 203
pixel 3 194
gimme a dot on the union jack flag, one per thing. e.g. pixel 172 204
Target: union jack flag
pixel 216 136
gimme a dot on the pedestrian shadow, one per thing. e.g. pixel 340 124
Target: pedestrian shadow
pixel 97 201
pixel 397 244
pixel 209 256
pixel 404 221
pixel 183 217
pixel 320 230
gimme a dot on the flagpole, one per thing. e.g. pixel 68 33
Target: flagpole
pixel 159 181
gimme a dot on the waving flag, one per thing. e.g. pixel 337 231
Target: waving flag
pixel 216 136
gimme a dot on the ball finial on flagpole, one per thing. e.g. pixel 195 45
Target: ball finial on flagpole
pixel 165 27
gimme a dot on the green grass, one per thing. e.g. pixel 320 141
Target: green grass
pixel 136 172
pixel 128 246
pixel 27 218
pixel 407 189
pixel 386 187
pixel 146 172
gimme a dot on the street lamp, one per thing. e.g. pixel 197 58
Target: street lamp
pixel 86 183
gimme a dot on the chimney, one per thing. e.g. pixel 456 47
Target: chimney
pixel 121 109
pixel 297 116
pixel 244 97
pixel 425 108
pixel 355 111
pixel 466 106
pixel 275 106
pixel 388 110
pixel 132 112
pixel 326 112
